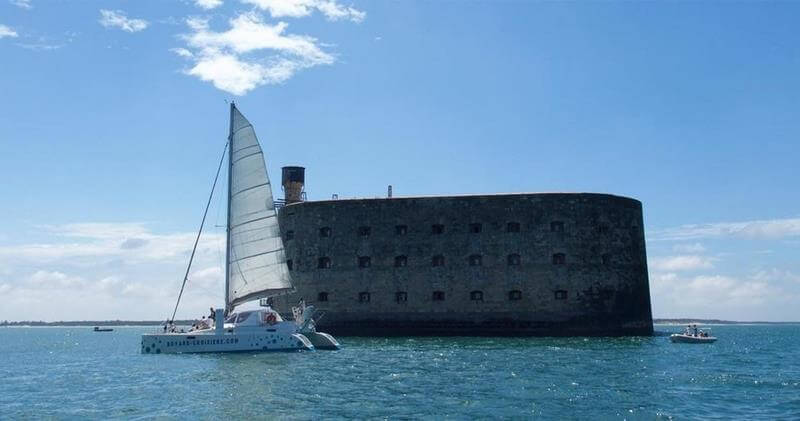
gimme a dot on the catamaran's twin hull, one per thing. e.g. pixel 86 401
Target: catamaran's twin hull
pixel 177 343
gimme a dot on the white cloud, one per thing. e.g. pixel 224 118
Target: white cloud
pixel 762 229
pixel 109 271
pixel 93 242
pixel 5 31
pixel 182 52
pixel 54 279
pixel 249 54
pixel 117 19
pixel 689 248
pixel 301 8
pixel 680 263
pixel 208 4
pixel 720 297
pixel 23 4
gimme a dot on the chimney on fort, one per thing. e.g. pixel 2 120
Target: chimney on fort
pixel 293 179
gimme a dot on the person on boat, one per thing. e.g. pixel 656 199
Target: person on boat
pixel 695 329
pixel 212 314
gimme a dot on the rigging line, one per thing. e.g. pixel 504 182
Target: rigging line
pixel 196 240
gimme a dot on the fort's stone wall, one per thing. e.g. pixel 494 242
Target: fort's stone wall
pixel 511 264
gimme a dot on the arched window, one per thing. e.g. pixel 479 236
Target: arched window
pixel 513 259
pixel 400 261
pixel 363 297
pixel 557 226
pixel 476 295
pixel 364 231
pixel 437 260
pixel 437 229
pixel 324 262
pixel 475 228
pixel 512 227
pixel 325 232
pixel 400 296
pixel 561 294
pixel 559 259
pixel 438 296
pixel 364 261
pixel 322 296
pixel 289 235
pixel 475 260
pixel 514 295
pixel 401 229
pixel 606 259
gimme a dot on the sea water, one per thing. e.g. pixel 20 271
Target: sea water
pixel 752 372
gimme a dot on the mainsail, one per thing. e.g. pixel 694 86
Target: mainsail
pixel 256 262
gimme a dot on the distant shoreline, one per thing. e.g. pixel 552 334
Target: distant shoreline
pixel 77 323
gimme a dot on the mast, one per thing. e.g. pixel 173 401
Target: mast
pixel 228 224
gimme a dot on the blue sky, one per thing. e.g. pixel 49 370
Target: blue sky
pixel 113 117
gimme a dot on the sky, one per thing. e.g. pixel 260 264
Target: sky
pixel 114 116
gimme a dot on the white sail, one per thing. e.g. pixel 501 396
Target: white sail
pixel 256 259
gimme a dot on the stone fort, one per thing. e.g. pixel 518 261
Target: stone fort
pixel 527 264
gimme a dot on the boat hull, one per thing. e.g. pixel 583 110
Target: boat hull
pixel 690 339
pixel 201 342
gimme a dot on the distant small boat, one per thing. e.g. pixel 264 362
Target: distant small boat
pixel 103 329
pixel 693 335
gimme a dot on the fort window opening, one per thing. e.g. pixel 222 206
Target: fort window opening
pixel 475 228
pixel 437 229
pixel 400 261
pixel 324 262
pixel 438 296
pixel 512 227
pixel 475 260
pixel 364 231
pixel 322 296
pixel 606 259
pixel 364 261
pixel 290 264
pixel 559 258
pixel 401 229
pixel 438 260
pixel 363 297
pixel 514 295
pixel 561 294
pixel 289 235
pixel 513 259
pixel 325 232
pixel 557 226
pixel 401 296
pixel 602 229
pixel 476 295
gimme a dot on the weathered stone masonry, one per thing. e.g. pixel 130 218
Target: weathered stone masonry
pixel 510 264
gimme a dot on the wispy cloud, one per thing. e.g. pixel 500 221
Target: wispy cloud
pixel 5 31
pixel 40 46
pixel 208 4
pixel 755 297
pixel 331 9
pixel 249 54
pixel 680 263
pixel 23 4
pixel 118 19
pixel 689 248
pixel 94 242
pixel 763 229
pixel 108 270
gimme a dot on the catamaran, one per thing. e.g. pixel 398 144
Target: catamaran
pixel 255 268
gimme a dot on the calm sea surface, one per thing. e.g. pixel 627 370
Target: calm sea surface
pixel 751 372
